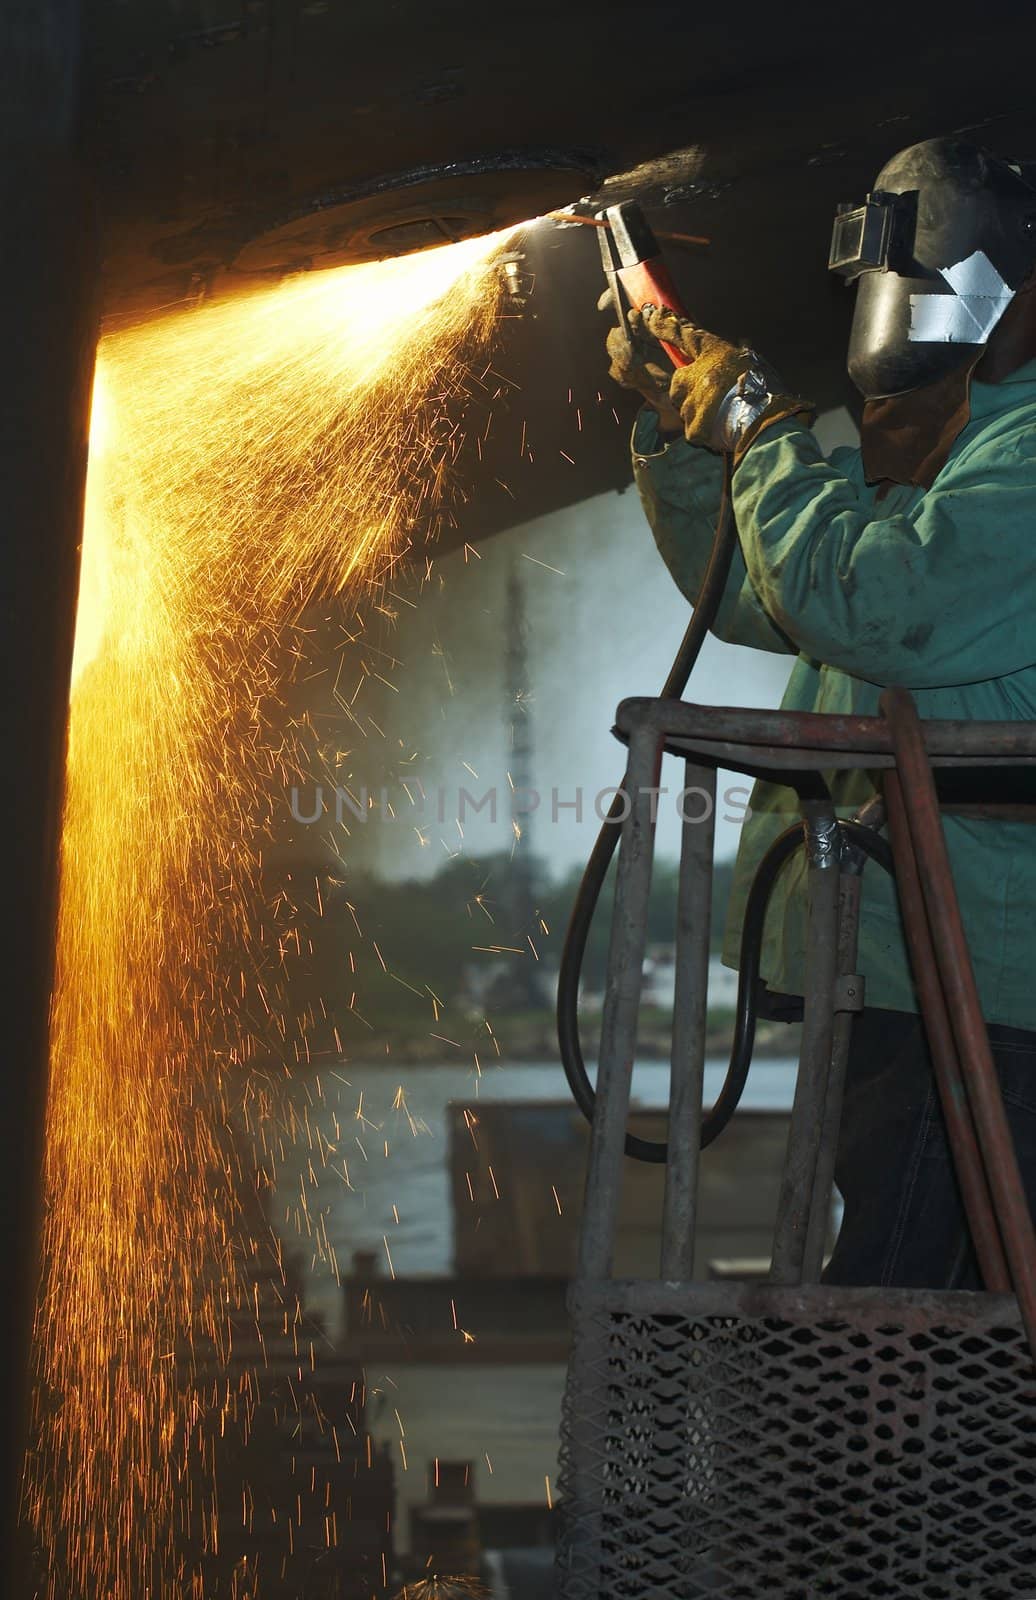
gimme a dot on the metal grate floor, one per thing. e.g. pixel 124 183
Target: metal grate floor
pixel 779 1444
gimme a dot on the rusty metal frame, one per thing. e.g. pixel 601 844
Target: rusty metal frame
pixel 796 740
pixel 919 833
pixel 792 746
pixel 912 1310
pixel 795 1201
pixel 796 747
pixel 690 1002
pixel 772 1443
pixel 949 1079
pixel 644 1376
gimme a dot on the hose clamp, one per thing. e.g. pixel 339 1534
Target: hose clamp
pixel 823 840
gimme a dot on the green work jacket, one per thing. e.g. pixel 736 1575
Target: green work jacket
pixel 931 589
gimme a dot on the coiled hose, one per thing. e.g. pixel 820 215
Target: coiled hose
pixel 589 892
pixel 592 883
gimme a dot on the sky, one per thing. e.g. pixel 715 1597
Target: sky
pixel 604 621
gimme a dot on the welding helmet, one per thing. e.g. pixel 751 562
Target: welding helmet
pixel 937 251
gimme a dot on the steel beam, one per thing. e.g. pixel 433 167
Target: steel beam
pixel 48 288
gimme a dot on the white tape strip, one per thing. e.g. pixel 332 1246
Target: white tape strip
pixel 968 315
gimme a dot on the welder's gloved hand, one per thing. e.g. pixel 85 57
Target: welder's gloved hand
pixel 637 363
pixel 725 396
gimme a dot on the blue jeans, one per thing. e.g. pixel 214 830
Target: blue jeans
pixel 904 1224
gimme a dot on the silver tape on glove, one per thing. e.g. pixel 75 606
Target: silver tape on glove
pixel 743 404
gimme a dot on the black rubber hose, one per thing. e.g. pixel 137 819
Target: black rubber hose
pixel 592 883
pixel 749 957
pixel 871 843
pixel 750 954
pixel 729 1097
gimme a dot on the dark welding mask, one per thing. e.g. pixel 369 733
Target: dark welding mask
pixel 937 252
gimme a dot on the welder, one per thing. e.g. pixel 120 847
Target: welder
pixel 909 561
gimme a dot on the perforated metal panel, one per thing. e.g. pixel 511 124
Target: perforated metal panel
pixel 758 1443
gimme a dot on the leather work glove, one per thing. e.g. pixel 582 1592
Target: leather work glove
pixel 637 363
pixel 725 396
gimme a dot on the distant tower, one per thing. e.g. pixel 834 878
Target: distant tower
pixel 522 903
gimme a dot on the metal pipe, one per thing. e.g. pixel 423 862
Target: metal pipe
pixel 798 733
pixel 848 1001
pixel 690 1008
pixel 962 1001
pixel 49 278
pixel 621 1006
pixel 807 1116
pixel 960 1129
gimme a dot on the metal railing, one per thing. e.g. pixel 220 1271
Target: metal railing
pixel 770 1440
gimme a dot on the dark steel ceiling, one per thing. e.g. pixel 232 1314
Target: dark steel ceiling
pixel 245 137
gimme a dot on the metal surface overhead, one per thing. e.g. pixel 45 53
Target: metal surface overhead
pixel 220 124
pixel 236 140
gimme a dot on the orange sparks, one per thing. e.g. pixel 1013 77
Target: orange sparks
pixel 245 457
